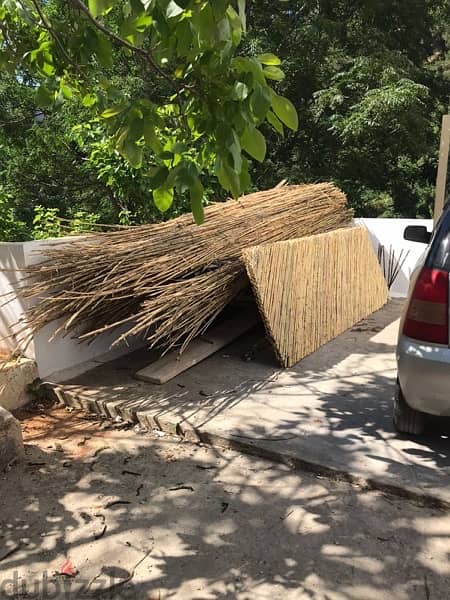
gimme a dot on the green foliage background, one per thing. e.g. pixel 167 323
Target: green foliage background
pixel 370 80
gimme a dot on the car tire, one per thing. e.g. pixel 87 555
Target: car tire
pixel 406 419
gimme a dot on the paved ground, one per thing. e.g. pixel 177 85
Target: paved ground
pixel 147 517
pixel 332 411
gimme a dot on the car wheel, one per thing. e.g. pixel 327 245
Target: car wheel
pixel 406 419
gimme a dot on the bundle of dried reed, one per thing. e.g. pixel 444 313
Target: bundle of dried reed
pixel 391 264
pixel 169 281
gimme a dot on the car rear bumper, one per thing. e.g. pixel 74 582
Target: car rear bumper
pixel 424 375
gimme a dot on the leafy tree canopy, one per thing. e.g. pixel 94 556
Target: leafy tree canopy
pixel 370 81
pixel 199 105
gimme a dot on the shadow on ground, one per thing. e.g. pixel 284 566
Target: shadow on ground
pixel 158 518
pixel 333 410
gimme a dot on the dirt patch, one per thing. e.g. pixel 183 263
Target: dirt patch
pixel 64 428
pixel 57 422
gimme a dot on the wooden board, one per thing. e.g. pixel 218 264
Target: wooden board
pixel 312 289
pixel 174 363
pixel 441 179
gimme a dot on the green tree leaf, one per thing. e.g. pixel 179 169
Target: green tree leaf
pixel 242 14
pixel 113 111
pixel 98 7
pixel 285 111
pixel 132 153
pixel 236 26
pixel 163 198
pixel 47 68
pixel 274 73
pixel 275 122
pixel 260 102
pixel 269 59
pixel 243 64
pixel 89 100
pixel 197 192
pixel 66 90
pixel 241 91
pixel 206 29
pixel 184 37
pixel 244 177
pixel 254 143
pixel 121 137
pixel 150 137
pixel 142 22
pixel 228 178
pixel 103 50
pixel 158 177
pixel 235 150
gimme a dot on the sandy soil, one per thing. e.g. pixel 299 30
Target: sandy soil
pixel 145 515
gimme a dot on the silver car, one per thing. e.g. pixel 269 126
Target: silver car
pixel 423 352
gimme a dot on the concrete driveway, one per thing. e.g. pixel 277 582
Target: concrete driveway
pixel 330 413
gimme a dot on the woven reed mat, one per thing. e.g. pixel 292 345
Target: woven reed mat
pixel 312 289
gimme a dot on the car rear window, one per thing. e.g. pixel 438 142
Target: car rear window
pixel 439 254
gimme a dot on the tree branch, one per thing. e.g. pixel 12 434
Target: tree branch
pixel 145 54
pixel 46 25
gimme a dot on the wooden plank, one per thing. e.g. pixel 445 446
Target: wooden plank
pixel 441 180
pixel 173 363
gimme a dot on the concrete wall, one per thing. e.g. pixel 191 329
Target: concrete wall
pixel 63 354
pixel 12 306
pixel 389 232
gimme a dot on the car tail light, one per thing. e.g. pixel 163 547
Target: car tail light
pixel 427 316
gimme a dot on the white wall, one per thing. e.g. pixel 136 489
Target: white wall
pixel 389 232
pixel 63 354
pixel 67 355
pixel 12 306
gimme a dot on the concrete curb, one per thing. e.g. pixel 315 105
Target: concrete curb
pixel 11 442
pixel 112 410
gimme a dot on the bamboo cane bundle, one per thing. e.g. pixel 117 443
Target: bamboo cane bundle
pixel 169 281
